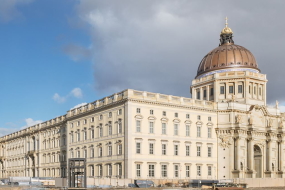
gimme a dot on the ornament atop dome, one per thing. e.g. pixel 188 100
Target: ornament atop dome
pixel 226 30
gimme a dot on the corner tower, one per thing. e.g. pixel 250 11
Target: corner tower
pixel 229 72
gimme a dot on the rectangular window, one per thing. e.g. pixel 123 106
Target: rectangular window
pixel 120 112
pixel 100 170
pixel 92 153
pixel 222 90
pixel 150 148
pixel 209 170
pixel 176 150
pixel 209 132
pixel 92 133
pixel 78 135
pixel 100 132
pixel 163 148
pixel 100 152
pixel 120 127
pixel 138 170
pixel 209 119
pixel 239 88
pixel 187 171
pixel 138 148
pixel 176 115
pixel 198 131
pixel 120 171
pixel 187 150
pixel 150 170
pixel 85 153
pixel 138 124
pixel 205 94
pixel 254 90
pixel 187 130
pixel 163 170
pixel 249 89
pixel 198 151
pixel 163 128
pixel 209 151
pixel 231 89
pixel 175 129
pixel 198 95
pixel 151 112
pixel 138 110
pixel 198 170
pixel 151 130
pixel 120 149
pixel 110 130
pixel 259 91
pixel 176 171
pixel 92 119
pixel 100 117
pixel 164 113
pixel 110 114
pixel 187 116
pixel 212 92
pixel 198 117
pixel 109 170
pixel 109 150
pixel 85 135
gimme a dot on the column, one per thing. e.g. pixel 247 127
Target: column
pixel 208 92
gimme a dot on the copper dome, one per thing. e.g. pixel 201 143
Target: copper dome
pixel 227 56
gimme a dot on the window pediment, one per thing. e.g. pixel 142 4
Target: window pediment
pixel 176 120
pixel 188 122
pixel 138 116
pixel 151 118
pixel 199 123
pixel 164 119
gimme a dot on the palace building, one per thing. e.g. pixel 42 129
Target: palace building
pixel 224 131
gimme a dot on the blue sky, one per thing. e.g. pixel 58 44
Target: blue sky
pixel 56 54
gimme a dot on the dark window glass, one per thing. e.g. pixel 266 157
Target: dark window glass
pixel 239 88
pixel 212 91
pixel 231 89
pixel 198 95
pixel 205 93
pixel 222 90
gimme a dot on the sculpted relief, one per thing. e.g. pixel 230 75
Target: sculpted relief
pixel 225 141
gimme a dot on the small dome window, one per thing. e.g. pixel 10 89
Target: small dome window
pixel 238 63
pixel 245 63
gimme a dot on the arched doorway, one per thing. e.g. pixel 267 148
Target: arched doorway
pixel 257 161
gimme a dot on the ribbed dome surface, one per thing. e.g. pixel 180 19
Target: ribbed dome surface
pixel 227 56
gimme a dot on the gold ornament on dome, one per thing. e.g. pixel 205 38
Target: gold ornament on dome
pixel 227 30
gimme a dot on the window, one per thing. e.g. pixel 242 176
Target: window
pixel 209 119
pixel 254 90
pixel 222 90
pixel 199 151
pixel 78 123
pixel 205 93
pixel 259 91
pixel 71 125
pixel 78 154
pixel 187 171
pixel 110 129
pixel 239 88
pixel 92 133
pixel 109 170
pixel 212 92
pixel 100 151
pixel 100 131
pixel 164 170
pixel 110 114
pixel 91 170
pixel 209 170
pixel 120 171
pixel 198 95
pixel 198 131
pixel 120 126
pixel 187 116
pixel 209 151
pixel 231 89
pixel 84 121
pixel 138 110
pixel 92 119
pixel 249 89
pixel 150 148
pixel 163 148
pixel 175 129
pixel 100 117
pixel 151 127
pixel 138 148
pixel 187 130
pixel 176 115
pixel 176 171
pixel 164 113
pixel 84 135
pixel 92 153
pixel 100 170
pixel 120 150
pixel 138 124
pixel 85 153
pixel 151 112
pixel 110 150
pixel 209 132
pixel 138 170
pixel 187 150
pixel 198 170
pixel 198 117
pixel 163 128
pixel 176 150
pixel 78 135
pixel 151 170
pixel 120 112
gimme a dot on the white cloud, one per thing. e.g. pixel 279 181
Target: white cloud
pixel 79 105
pixel 9 10
pixel 76 92
pixel 31 122
pixel 6 131
pixel 56 97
